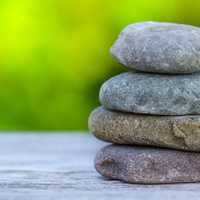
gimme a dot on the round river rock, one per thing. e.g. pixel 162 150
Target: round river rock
pixel 148 165
pixel 152 93
pixel 178 132
pixel 159 47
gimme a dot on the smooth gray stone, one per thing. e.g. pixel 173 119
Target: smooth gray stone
pixel 159 47
pixel 152 94
pixel 148 165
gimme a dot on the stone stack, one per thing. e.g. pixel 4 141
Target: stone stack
pixel 152 115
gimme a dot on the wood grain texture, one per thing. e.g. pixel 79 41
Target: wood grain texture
pixel 60 166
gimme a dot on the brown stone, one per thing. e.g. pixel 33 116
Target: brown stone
pixel 148 165
pixel 178 132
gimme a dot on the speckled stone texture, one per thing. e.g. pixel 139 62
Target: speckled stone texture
pixel 159 47
pixel 177 132
pixel 148 165
pixel 152 93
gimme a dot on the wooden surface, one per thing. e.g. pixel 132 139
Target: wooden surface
pixel 60 166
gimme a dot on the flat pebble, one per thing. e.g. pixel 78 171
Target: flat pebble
pixel 148 165
pixel 159 47
pixel 152 94
pixel 177 132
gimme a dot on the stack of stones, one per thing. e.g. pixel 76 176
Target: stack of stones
pixel 152 115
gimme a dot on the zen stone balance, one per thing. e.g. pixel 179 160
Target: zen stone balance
pixel 152 115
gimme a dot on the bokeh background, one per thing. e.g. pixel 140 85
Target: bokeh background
pixel 54 55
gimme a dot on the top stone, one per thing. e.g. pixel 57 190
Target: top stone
pixel 159 48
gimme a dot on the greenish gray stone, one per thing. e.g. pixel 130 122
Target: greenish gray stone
pixel 177 132
pixel 159 47
pixel 152 93
pixel 148 165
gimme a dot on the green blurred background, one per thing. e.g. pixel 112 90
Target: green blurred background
pixel 54 55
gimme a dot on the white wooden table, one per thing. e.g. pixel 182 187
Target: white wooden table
pixel 60 166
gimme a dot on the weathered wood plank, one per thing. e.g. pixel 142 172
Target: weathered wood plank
pixel 60 166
